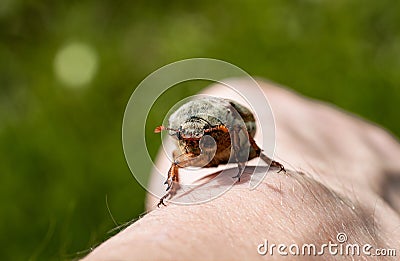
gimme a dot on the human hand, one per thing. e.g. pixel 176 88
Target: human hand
pixel 342 177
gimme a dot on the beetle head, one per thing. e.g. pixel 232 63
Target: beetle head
pixel 192 129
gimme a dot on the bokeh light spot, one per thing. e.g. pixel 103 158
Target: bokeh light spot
pixel 76 64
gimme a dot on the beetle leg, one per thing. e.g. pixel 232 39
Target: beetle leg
pixel 172 180
pixel 264 157
pixel 173 170
pixel 181 161
pixel 173 183
pixel 172 192
pixel 272 163
pixel 173 175
pixel 236 148
pixel 241 166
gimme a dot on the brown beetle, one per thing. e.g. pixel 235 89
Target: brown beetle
pixel 227 122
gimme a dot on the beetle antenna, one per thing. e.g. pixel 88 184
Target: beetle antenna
pixel 161 128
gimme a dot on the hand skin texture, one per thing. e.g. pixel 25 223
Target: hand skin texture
pixel 342 177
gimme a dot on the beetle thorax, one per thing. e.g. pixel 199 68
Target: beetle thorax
pixel 192 129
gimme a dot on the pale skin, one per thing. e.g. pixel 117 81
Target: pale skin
pixel 342 174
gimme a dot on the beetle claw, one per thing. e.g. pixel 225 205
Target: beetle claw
pixel 282 168
pixel 161 203
pixel 238 177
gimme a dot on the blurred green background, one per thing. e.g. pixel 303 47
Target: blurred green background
pixel 68 69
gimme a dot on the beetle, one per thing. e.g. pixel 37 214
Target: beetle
pixel 229 123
